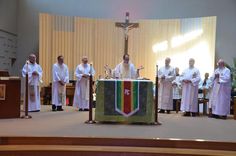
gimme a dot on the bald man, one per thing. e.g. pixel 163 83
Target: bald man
pixel 190 79
pixel 81 96
pixel 35 77
pixel 126 69
pixel 220 97
pixel 166 75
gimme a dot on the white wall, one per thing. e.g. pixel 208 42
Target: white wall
pixel 8 10
pixel 8 34
pixel 225 10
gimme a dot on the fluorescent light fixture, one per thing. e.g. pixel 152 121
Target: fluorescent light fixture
pixel 174 139
pixel 182 39
pixel 162 46
pixel 200 140
pixel 200 51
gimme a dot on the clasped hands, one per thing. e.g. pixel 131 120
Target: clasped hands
pixel 163 77
pixel 85 76
pixel 35 73
pixel 62 83
pixel 187 81
pixel 174 84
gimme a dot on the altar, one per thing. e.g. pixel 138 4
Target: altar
pixel 129 101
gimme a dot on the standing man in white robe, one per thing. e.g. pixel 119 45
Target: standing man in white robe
pixel 82 73
pixel 221 91
pixel 190 79
pixel 166 75
pixel 35 77
pixel 126 69
pixel 60 75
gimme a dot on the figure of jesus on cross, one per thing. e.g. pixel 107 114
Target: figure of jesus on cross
pixel 126 26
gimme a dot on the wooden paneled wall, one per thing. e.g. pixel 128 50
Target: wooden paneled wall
pixel 103 43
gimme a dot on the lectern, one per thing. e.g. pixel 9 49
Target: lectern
pixel 10 97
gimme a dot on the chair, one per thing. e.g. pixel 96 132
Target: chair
pixel 4 73
pixel 203 100
pixel 177 106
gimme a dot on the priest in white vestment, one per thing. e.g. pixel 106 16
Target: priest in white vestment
pixel 126 69
pixel 81 96
pixel 166 75
pixel 60 74
pixel 190 79
pixel 35 77
pixel 221 91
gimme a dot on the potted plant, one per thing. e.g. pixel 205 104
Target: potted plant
pixel 233 91
pixel 233 72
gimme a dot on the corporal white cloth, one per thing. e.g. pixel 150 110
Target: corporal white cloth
pixel 165 88
pixel 59 73
pixel 189 102
pixel 221 92
pixel 176 88
pixel 81 96
pixel 125 71
pixel 33 85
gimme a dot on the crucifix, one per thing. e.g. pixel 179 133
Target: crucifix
pixel 126 26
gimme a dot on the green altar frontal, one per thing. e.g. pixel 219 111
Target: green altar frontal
pixel 128 101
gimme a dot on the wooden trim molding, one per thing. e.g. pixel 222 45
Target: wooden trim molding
pixel 86 141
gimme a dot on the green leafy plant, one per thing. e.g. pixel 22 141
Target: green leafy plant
pixel 233 72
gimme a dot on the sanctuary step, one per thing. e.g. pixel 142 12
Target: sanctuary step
pixel 61 146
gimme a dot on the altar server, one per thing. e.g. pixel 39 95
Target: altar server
pixel 176 86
